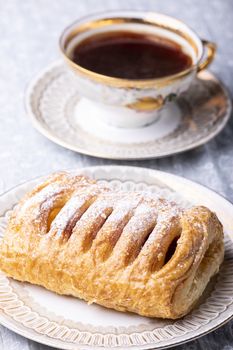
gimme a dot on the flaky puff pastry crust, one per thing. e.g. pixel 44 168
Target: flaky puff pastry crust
pixel 124 250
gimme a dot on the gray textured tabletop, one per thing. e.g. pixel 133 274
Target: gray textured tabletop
pixel 29 34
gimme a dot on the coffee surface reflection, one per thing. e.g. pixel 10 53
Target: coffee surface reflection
pixel 130 55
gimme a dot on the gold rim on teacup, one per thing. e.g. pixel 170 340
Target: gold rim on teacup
pixel 137 100
pixel 75 29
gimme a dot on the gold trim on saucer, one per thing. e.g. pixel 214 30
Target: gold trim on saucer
pixel 210 107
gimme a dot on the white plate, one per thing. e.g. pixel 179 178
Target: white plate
pixel 69 323
pixel 54 107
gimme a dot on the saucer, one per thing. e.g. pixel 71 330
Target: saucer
pixel 57 111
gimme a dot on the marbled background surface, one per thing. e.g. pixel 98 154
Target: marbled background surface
pixel 29 34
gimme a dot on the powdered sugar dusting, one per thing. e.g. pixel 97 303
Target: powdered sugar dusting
pixel 84 201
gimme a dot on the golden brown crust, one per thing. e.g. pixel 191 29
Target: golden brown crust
pixel 78 238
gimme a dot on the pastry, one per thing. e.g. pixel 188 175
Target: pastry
pixel 129 251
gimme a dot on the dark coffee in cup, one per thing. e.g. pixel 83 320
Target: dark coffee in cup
pixel 129 55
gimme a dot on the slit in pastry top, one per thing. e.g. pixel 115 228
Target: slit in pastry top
pixel 130 251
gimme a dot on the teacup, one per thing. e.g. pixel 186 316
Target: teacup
pixel 131 103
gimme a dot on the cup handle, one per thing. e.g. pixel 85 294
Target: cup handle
pixel 209 53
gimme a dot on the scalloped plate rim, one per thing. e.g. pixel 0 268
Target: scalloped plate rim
pixel 159 175
pixel 43 129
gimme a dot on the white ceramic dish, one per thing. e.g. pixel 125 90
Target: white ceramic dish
pixel 56 110
pixel 69 323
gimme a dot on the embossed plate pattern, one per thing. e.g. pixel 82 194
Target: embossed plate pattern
pixel 69 323
pixel 52 97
